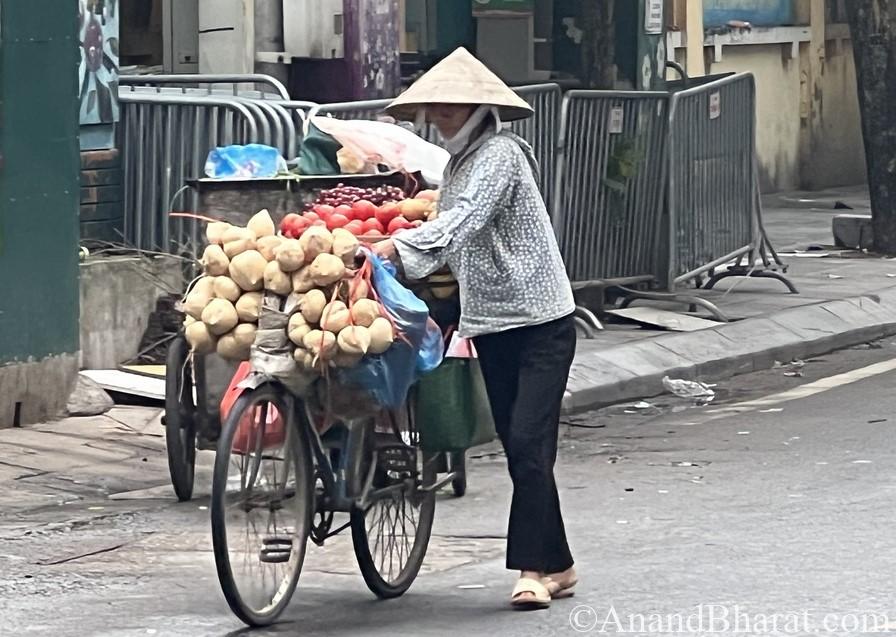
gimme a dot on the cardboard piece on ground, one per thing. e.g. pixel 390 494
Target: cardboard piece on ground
pixel 151 371
pixel 128 383
pixel 664 319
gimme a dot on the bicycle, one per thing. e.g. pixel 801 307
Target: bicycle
pixel 273 463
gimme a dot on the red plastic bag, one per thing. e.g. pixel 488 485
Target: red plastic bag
pixel 273 430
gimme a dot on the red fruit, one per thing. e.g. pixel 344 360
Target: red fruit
pixel 372 224
pixel 363 210
pixel 288 225
pixel 386 213
pixel 398 223
pixel 355 227
pixel 337 221
pixel 312 216
pixel 345 211
pixel 319 222
pixel 323 210
pixel 374 235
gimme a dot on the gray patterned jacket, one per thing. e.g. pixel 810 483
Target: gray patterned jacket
pixel 495 234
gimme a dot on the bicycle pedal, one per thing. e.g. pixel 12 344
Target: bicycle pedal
pixel 277 541
pixel 274 555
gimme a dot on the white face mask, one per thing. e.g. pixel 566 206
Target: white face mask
pixel 461 140
pixel 457 143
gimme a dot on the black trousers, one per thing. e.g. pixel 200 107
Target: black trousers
pixel 525 372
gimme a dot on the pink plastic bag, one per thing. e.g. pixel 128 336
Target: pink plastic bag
pixel 382 143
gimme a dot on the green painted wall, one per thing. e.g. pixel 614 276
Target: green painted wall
pixel 39 179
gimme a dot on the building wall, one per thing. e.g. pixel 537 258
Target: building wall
pixel 838 152
pixel 795 150
pixel 39 195
pixel 777 110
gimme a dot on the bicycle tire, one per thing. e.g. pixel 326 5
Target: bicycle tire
pixel 395 587
pixel 296 443
pixel 180 418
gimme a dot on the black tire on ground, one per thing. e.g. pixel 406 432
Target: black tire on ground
pixel 458 463
pixel 391 580
pixel 180 417
pixel 285 496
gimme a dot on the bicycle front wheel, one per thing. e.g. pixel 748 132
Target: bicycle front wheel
pixel 262 505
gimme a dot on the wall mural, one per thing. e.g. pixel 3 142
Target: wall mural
pixel 98 71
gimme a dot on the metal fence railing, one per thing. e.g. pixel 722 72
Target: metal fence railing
pixel 608 194
pixel 641 186
pixel 245 85
pixel 165 140
pixel 541 131
pixel 711 177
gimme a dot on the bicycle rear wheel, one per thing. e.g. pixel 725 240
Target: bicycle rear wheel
pixel 262 505
pixel 392 533
pixel 180 417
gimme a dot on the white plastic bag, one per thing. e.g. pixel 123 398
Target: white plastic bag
pixel 389 144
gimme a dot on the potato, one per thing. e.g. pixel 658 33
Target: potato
pixel 199 296
pixel 215 231
pixel 414 209
pixel 232 349
pixel 267 245
pixel 247 269
pixel 304 358
pixel 382 335
pixel 248 306
pixel 297 329
pixel 262 225
pixel 290 255
pixel 335 317
pixel 314 241
pixel 354 340
pixel 320 343
pixel 214 260
pixel 365 312
pixel 245 334
pixel 345 246
pixel 276 280
pixel 233 248
pixel 327 269
pixel 313 305
pixel 201 340
pixel 226 288
pixel 220 315
pixel 236 233
pixel 301 280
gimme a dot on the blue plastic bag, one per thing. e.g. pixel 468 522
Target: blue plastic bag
pixel 244 162
pixel 418 350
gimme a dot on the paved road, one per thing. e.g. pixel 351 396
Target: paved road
pixel 774 503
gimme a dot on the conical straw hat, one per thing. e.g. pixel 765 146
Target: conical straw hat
pixel 460 79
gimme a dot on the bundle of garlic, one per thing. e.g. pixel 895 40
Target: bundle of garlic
pixel 335 323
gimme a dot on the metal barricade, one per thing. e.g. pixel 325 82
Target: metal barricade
pixel 164 141
pixel 609 185
pixel 542 131
pixel 369 109
pixel 713 220
pixel 238 83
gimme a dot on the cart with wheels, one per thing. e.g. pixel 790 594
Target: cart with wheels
pixel 194 384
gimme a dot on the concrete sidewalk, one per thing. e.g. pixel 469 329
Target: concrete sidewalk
pixel 846 298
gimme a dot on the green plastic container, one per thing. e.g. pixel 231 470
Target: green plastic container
pixel 453 412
